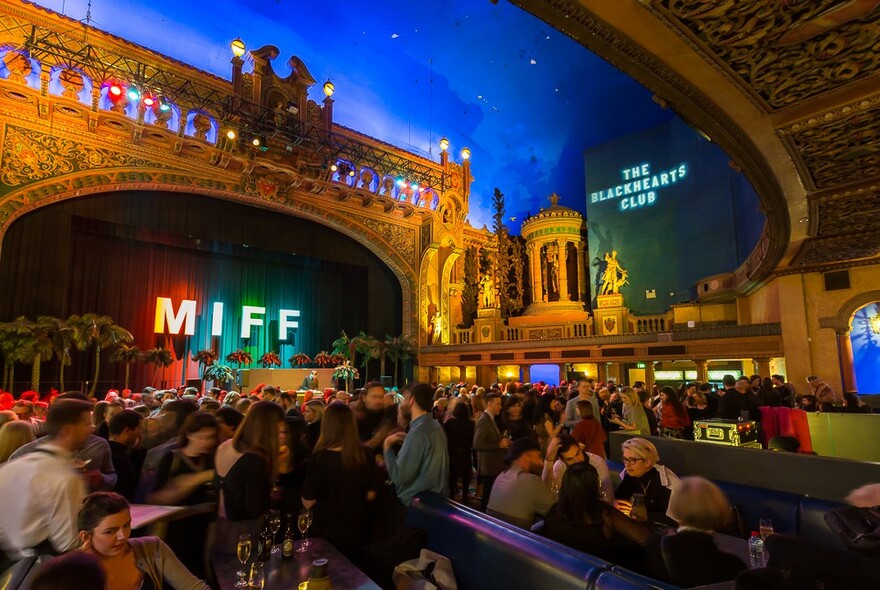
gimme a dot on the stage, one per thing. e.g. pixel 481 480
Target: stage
pixel 284 378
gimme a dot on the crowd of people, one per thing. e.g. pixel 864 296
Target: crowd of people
pixel 523 453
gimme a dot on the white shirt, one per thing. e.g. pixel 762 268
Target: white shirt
pixel 42 494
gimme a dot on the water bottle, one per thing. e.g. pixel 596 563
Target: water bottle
pixel 756 551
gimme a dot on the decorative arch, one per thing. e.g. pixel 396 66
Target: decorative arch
pixel 840 322
pixel 56 189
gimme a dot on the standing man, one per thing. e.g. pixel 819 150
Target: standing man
pixel 311 381
pixel 125 435
pixel 374 421
pixel 822 391
pixel 43 491
pixel 786 390
pixel 738 400
pixel 422 464
pixel 585 393
pixel 490 447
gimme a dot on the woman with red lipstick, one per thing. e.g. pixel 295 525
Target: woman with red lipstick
pixel 144 563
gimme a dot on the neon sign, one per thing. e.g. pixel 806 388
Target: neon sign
pixel 639 186
pixel 184 318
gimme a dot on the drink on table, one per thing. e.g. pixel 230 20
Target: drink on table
pixel 639 508
pixel 265 541
pixel 303 522
pixel 274 527
pixel 287 549
pixel 756 551
pixel 243 551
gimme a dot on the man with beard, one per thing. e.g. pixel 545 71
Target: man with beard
pixel 519 494
pixel 374 421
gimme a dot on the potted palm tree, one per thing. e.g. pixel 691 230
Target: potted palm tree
pixel 324 359
pixel 239 357
pixel 398 348
pixel 370 348
pixel 128 355
pixel 158 357
pixel 10 344
pixel 60 333
pixel 36 345
pixel 221 375
pixel 99 331
pixel 205 358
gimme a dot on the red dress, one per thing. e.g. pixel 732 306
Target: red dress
pixel 589 432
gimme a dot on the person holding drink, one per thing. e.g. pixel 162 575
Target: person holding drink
pixel 643 476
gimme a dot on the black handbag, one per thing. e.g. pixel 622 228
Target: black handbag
pixel 858 527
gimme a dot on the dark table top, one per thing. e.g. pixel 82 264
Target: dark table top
pixel 287 575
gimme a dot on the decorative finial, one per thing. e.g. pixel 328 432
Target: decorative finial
pixel 554 199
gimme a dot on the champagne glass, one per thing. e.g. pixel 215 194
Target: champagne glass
pixel 275 526
pixel 244 553
pixel 765 527
pixel 303 522
pixel 258 576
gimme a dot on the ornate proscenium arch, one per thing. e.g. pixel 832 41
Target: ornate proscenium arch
pixel 60 189
pixel 840 322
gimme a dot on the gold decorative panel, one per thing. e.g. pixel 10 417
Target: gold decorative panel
pixel 847 214
pixel 838 249
pixel 785 51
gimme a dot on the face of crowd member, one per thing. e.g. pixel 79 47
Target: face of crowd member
pixel 224 432
pixel 202 442
pixel 111 411
pixel 110 537
pixel 572 456
pixel 79 432
pixel 663 397
pixel 691 391
pixel 635 466
pixel 557 405
pixel 130 436
pixel 406 408
pixel 494 406
pixel 743 385
pixel 374 399
pixel 776 382
pixel 310 415
pixel 514 410
pixel 534 462
pixel 583 388
pixel 23 411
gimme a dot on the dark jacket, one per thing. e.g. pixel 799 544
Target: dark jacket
pixel 487 441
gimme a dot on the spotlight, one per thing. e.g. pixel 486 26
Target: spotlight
pixel 133 93
pixel 329 88
pixel 149 101
pixel 237 47
pixel 114 90
pixel 465 153
pixel 230 134
pixel 401 182
pixel 164 106
pixel 256 142
pixel 334 167
pixel 351 172
pixel 415 186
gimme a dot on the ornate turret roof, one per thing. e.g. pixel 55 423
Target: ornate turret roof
pixel 555 210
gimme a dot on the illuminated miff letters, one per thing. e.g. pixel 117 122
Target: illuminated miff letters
pixel 183 320
pixel 185 316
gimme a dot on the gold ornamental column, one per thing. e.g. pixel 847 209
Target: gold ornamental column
pixel 562 260
pixel 847 371
pixel 582 272
pixel 702 370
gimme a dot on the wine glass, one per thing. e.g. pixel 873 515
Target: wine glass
pixel 765 527
pixel 244 553
pixel 275 526
pixel 303 522
pixel 258 576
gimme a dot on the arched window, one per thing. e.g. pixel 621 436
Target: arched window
pixel 865 338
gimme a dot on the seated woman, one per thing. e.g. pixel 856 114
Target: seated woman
pixel 688 556
pixel 145 563
pixel 642 475
pixel 582 521
pixel 340 482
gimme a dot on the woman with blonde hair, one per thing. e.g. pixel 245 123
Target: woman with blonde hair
pixel 688 556
pixel 634 419
pixel 246 468
pixel 12 436
pixel 642 474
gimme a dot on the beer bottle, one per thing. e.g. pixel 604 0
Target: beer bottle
pixel 266 540
pixel 287 544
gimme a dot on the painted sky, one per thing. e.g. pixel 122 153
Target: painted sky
pixel 525 98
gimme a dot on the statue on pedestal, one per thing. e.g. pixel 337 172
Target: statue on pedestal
pixel 614 277
pixel 552 271
pixel 487 292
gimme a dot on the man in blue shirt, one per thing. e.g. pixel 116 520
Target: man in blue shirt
pixel 422 465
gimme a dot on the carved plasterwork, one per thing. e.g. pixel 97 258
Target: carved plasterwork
pixel 848 213
pixel 843 150
pixel 402 239
pixel 783 52
pixel 819 251
pixel 29 155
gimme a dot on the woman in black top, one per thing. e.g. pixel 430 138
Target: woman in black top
pixel 643 475
pixel 460 441
pixel 185 477
pixel 512 418
pixel 246 469
pixel 340 482
pixel 582 521
pixel 293 463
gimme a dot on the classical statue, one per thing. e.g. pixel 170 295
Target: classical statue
pixel 487 292
pixel 614 277
pixel 552 272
